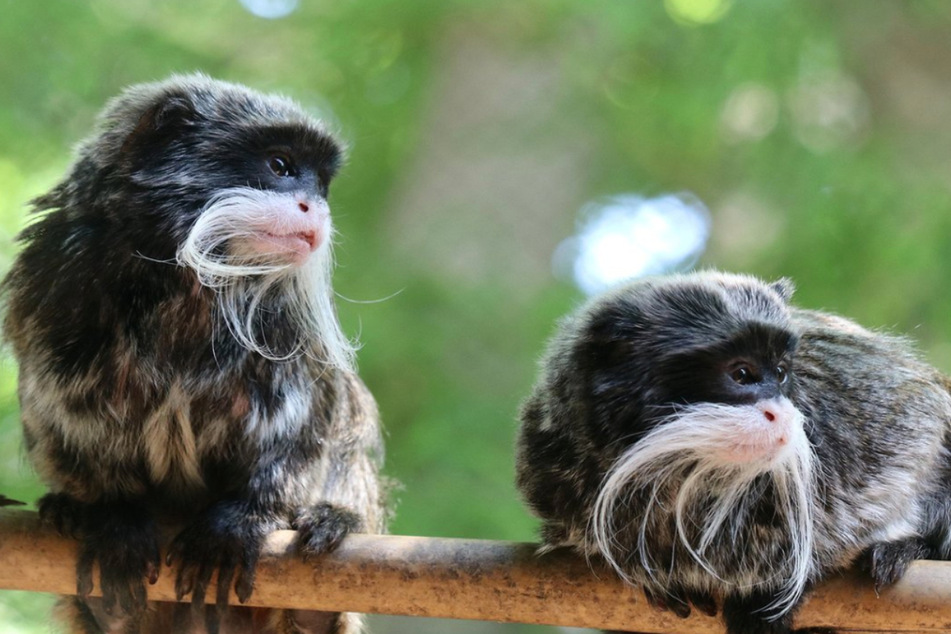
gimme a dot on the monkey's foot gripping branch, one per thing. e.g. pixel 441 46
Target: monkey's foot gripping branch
pixel 501 581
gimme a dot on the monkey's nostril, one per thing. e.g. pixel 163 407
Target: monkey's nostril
pixel 769 415
pixel 303 207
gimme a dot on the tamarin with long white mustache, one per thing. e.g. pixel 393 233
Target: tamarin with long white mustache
pixel 716 446
pixel 180 359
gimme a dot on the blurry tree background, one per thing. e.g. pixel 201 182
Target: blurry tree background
pixel 808 139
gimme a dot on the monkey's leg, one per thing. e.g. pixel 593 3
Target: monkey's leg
pixel 121 537
pixel 348 500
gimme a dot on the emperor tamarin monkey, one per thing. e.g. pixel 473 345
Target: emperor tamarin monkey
pixel 180 358
pixel 713 444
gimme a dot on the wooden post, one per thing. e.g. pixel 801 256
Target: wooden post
pixel 479 579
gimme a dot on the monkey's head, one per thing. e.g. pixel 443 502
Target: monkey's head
pixel 653 349
pixel 678 390
pixel 227 182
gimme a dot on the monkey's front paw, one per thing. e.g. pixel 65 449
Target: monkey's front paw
pixel 122 539
pixel 322 527
pixel 679 601
pixel 227 538
pixel 887 562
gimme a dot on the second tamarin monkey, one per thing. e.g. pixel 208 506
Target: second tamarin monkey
pixel 716 446
pixel 180 357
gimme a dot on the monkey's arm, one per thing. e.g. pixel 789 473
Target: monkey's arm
pixel 320 481
pixel 349 497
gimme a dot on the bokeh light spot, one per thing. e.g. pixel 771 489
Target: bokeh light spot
pixel 629 236
pixel 270 9
pixel 697 11
pixel 750 113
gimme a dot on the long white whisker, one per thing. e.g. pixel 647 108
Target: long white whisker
pixel 686 456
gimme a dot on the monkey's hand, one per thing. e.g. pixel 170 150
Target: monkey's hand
pixel 678 601
pixel 120 536
pixel 321 528
pixel 887 562
pixel 226 538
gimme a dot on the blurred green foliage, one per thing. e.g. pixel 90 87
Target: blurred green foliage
pixel 817 133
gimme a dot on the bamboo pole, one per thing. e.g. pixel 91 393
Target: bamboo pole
pixel 479 579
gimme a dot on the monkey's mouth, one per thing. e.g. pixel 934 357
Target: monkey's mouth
pixel 296 246
pixel 765 449
pixel 301 239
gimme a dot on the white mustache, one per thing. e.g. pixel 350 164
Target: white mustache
pixel 714 454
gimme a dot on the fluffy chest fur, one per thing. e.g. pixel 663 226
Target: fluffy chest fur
pixel 169 404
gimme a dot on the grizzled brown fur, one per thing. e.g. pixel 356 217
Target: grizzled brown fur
pixel 140 407
pixel 876 436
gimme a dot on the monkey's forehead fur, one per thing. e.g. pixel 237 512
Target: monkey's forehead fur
pixel 222 105
pixel 684 310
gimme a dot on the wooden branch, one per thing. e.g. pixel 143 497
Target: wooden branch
pixel 478 579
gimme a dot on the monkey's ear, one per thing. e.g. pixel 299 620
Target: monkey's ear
pixel 161 121
pixel 784 287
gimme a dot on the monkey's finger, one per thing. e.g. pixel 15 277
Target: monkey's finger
pixel 245 583
pixel 201 581
pixel 137 597
pixel 667 602
pixel 153 564
pixel 679 607
pixel 130 595
pixel 184 581
pixel 175 550
pixel 705 603
pixel 225 576
pixel 59 511
pixel 108 597
pixel 152 572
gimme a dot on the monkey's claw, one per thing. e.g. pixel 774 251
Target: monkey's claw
pixel 668 601
pixel 322 527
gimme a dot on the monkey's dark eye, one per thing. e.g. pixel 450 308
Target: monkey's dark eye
pixel 781 374
pixel 743 375
pixel 281 165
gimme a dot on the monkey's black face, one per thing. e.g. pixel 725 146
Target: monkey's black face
pixel 289 159
pixel 753 365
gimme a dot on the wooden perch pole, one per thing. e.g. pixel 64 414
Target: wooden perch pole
pixel 478 579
